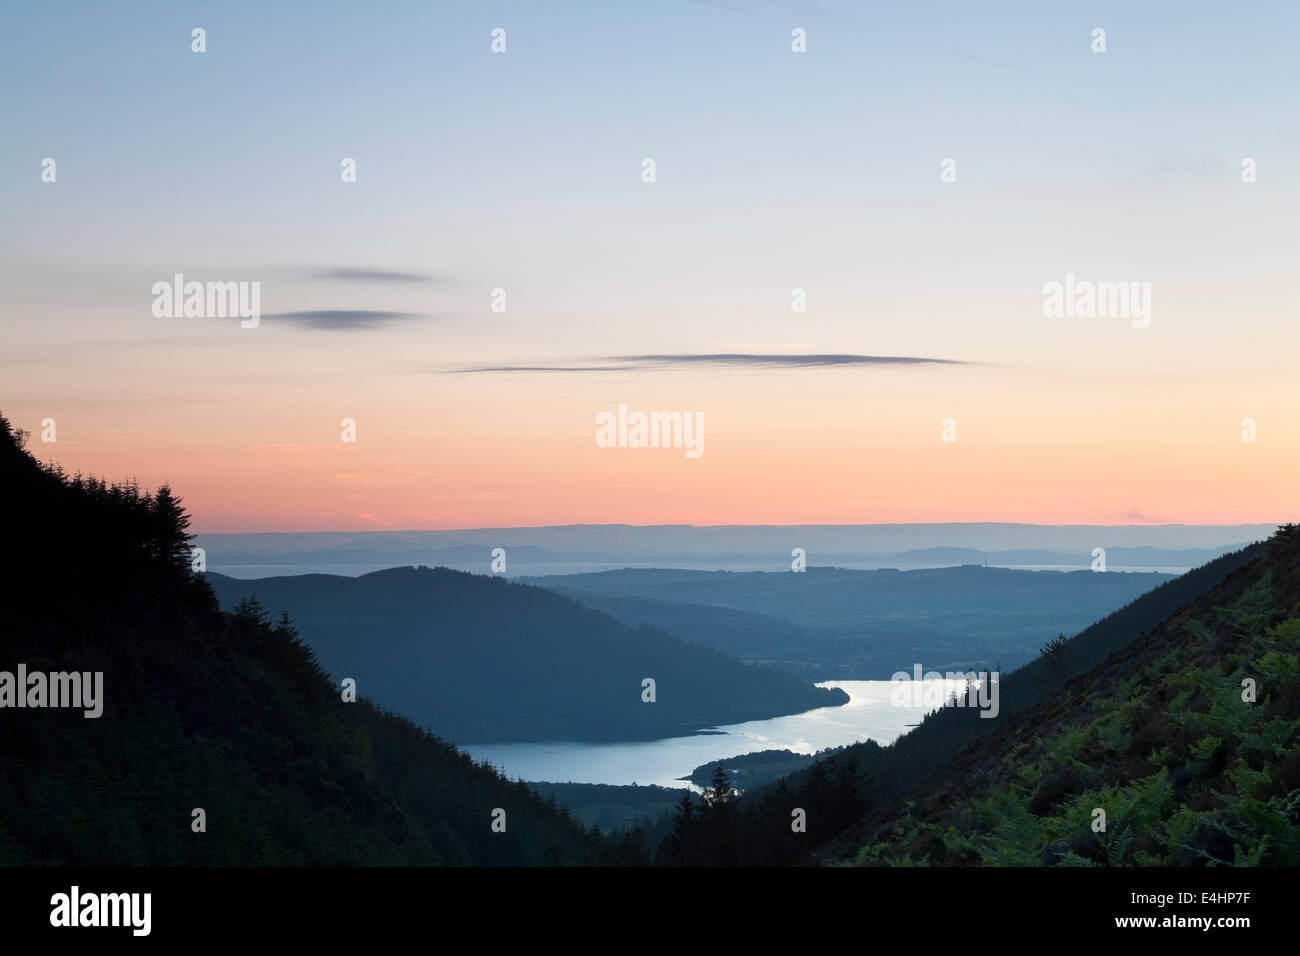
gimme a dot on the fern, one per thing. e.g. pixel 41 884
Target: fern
pixel 1119 846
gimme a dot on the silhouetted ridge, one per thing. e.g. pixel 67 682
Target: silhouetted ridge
pixel 201 709
pixel 477 658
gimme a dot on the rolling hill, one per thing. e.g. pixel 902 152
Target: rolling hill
pixel 479 659
pixel 838 623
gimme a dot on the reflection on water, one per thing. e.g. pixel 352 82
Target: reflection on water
pixel 868 715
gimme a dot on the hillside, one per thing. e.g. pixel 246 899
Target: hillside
pixel 812 653
pixel 478 659
pixel 1158 736
pixel 835 790
pixel 202 709
pixel 863 624
pixel 827 595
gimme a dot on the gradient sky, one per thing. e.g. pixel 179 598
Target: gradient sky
pixel 775 170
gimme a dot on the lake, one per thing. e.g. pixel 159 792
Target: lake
pixel 868 715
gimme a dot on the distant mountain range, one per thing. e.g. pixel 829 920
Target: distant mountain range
pixel 1117 557
pixel 832 623
pixel 578 548
pixel 478 659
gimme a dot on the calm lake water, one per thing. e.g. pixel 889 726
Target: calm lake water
pixel 868 715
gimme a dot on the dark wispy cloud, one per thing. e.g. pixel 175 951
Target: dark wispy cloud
pixel 342 318
pixel 634 363
pixel 370 275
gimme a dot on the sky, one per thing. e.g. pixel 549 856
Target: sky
pixel 774 170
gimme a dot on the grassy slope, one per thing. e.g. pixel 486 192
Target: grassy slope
pixel 1157 736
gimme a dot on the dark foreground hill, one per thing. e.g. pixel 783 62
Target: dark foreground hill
pixel 1185 743
pixel 478 659
pixel 213 711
